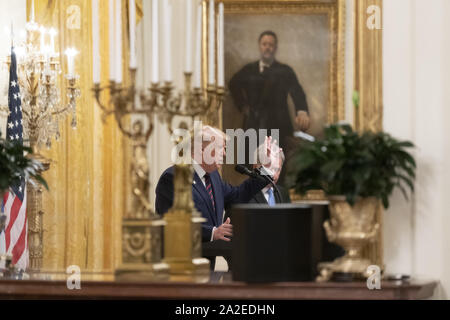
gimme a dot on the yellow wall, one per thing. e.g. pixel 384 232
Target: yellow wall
pixel 88 178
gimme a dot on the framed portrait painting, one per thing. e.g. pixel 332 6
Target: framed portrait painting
pixel 284 60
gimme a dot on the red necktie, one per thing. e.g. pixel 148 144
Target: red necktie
pixel 209 189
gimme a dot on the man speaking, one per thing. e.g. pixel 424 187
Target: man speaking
pixel 210 194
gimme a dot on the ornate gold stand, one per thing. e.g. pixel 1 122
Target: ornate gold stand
pixel 35 215
pixel 183 232
pixel 141 251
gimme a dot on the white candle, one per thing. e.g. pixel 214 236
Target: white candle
pixel 167 41
pixel 188 53
pixel 52 32
pixel 132 18
pixel 32 11
pixel 95 42
pixel 71 53
pixel 198 49
pixel 42 31
pixel 169 76
pixel 155 42
pixel 46 53
pixel 118 55
pixel 211 51
pixel 221 53
pixel 112 42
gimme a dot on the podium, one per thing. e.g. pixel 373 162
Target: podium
pixel 276 244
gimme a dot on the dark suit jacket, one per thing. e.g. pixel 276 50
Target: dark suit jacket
pixel 267 96
pixel 284 198
pixel 224 195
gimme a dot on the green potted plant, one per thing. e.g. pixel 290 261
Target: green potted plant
pixel 16 163
pixel 356 171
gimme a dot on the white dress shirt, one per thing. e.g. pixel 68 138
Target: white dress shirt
pixel 199 171
pixel 262 65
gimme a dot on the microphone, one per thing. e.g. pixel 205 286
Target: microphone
pixel 244 170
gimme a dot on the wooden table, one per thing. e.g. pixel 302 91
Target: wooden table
pixel 216 289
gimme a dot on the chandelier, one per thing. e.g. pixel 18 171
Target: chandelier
pixel 39 70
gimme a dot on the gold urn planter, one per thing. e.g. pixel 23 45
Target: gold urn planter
pixel 351 227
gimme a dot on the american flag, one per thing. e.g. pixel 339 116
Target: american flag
pixel 15 238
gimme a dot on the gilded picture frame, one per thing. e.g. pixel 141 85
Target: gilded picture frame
pixel 331 13
pixel 334 10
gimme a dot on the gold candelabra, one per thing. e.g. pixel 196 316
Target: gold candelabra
pixel 38 69
pixel 142 228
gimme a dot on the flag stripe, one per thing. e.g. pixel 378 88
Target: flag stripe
pixel 8 201
pixel 5 198
pixel 18 225
pixel 23 260
pixel 13 213
pixel 19 247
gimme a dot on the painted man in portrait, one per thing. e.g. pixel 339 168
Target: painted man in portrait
pixel 260 91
